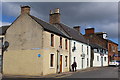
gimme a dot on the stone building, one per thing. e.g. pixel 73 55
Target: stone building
pixel 2 35
pixel 35 47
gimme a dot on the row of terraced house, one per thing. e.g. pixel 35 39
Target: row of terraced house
pixel 34 47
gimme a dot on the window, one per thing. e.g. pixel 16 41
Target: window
pixel 61 42
pixel 74 48
pixel 66 44
pixel 66 61
pixel 110 47
pixel 113 49
pixel 98 50
pixel 51 60
pixel 82 48
pixel 95 50
pixel 87 50
pixel 52 40
pixel 104 58
pixel 87 62
pixel 97 58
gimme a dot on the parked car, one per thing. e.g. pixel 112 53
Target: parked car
pixel 114 63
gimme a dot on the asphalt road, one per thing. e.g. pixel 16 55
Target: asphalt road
pixel 105 73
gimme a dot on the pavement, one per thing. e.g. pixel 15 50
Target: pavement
pixel 51 75
pixel 96 72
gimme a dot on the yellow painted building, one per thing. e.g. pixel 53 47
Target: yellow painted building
pixel 35 47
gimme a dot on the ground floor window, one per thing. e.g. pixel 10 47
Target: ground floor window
pixel 51 60
pixel 87 62
pixel 66 60
pixel 104 58
pixel 97 58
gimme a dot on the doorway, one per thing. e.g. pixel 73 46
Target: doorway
pixel 60 63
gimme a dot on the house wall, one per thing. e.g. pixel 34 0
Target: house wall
pixel 112 51
pixel 24 34
pixel 98 63
pixel 23 62
pixel 105 62
pixel 77 54
pixel 53 50
pixel 21 57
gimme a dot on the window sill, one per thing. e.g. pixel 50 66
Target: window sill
pixel 51 67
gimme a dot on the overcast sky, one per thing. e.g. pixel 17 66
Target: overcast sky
pixel 103 16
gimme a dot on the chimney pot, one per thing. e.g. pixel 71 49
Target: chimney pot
pixel 51 12
pixel 25 9
pixel 57 10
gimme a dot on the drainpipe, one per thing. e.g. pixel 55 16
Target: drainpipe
pixel 69 55
pixel 57 62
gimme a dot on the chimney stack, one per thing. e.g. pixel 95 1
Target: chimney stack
pixel 77 28
pixel 25 10
pixel 89 31
pixel 54 16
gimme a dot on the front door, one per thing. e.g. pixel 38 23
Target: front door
pixel 60 63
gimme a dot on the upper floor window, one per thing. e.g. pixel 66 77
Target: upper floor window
pixel 104 58
pixel 95 50
pixel 113 49
pixel 82 48
pixel 97 58
pixel 74 47
pixel 87 50
pixel 61 42
pixel 66 44
pixel 52 40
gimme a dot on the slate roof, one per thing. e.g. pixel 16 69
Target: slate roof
pixel 3 29
pixel 93 45
pixel 48 27
pixel 94 39
pixel 75 35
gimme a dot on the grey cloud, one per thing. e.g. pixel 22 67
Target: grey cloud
pixel 102 15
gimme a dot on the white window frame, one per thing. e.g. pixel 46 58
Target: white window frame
pixel 98 58
pixel 67 61
pixel 53 60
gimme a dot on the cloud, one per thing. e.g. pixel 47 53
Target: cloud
pixel 4 23
pixel 60 1
pixel 103 16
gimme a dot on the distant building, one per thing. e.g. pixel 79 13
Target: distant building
pixel 2 35
pixel 112 51
pixel 99 53
pixel 112 47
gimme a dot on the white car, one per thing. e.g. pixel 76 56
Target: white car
pixel 114 63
